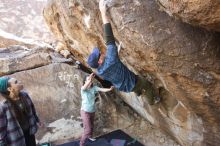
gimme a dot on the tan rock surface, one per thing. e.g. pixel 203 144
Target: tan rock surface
pixel 196 12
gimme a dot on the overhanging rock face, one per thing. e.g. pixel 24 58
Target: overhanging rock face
pixel 196 12
pixel 184 60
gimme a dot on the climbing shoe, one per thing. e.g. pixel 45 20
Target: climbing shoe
pixel 157 99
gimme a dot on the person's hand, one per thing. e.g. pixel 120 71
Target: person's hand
pixel 40 125
pixel 91 76
pixel 103 6
pixel 111 88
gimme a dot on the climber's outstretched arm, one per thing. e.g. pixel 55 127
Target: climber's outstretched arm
pixel 108 34
pixel 103 10
pixel 105 89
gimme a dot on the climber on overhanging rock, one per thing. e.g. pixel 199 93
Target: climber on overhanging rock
pixel 110 68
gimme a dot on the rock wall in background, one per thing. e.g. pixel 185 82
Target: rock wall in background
pixel 22 20
pixel 183 60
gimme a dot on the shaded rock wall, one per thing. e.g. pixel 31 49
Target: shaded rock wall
pixel 183 60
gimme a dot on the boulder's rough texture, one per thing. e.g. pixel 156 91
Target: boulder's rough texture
pixel 183 60
pixel 196 12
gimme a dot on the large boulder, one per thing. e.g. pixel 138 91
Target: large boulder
pixel 183 60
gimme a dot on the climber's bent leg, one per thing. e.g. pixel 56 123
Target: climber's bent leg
pixel 145 88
